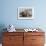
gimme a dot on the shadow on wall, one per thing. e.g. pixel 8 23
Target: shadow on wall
pixel 2 26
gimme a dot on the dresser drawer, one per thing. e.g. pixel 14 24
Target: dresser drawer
pixel 34 33
pixel 34 39
pixel 13 44
pixel 37 44
pixel 13 33
pixel 37 39
pixel 12 39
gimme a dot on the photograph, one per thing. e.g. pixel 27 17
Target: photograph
pixel 25 13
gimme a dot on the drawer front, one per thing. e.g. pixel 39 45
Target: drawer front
pixel 34 33
pixel 12 44
pixel 37 44
pixel 12 39
pixel 37 39
pixel 13 33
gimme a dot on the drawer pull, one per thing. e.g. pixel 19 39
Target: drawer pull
pixel 10 38
pixel 33 39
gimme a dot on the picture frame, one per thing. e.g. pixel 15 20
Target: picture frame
pixel 25 13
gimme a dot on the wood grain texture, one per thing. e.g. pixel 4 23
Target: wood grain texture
pixel 23 38
pixel 13 39
pixel 34 39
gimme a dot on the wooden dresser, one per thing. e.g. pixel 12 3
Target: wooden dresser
pixel 23 38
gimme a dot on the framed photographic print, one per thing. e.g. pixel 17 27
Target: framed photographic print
pixel 25 13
